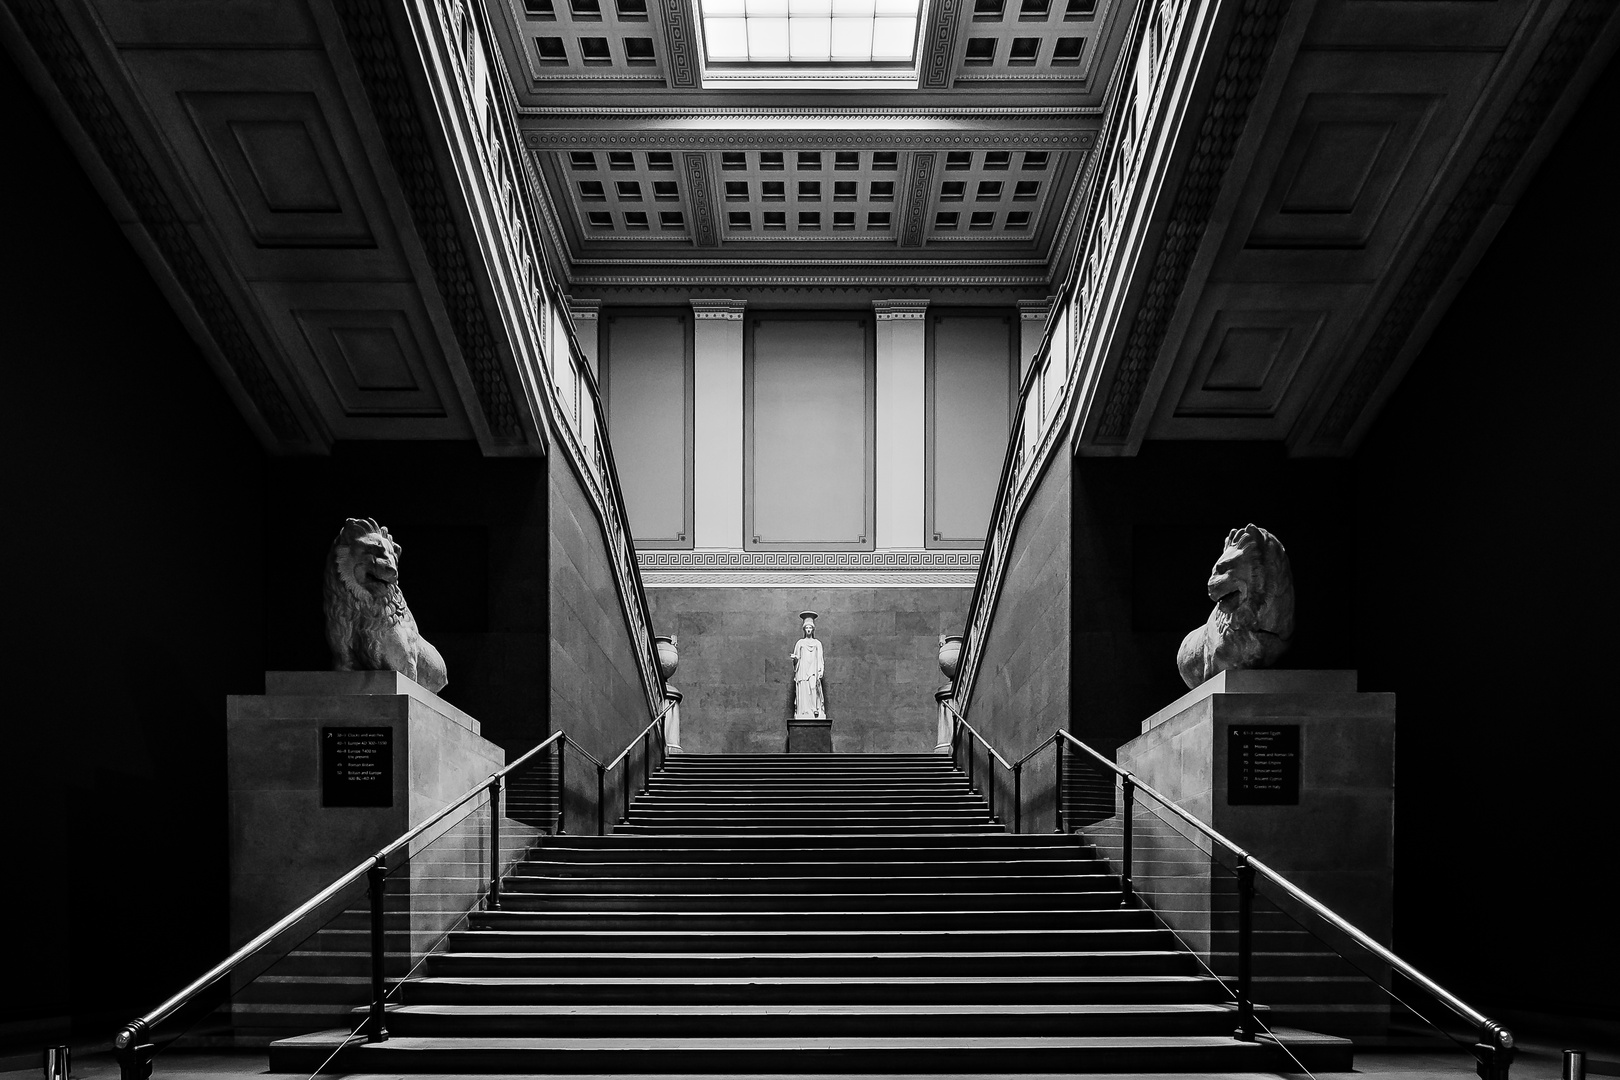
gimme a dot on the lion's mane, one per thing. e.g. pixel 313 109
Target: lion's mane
pixel 368 626
pixel 1253 619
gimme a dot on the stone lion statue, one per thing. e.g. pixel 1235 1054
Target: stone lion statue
pixel 368 625
pixel 1253 620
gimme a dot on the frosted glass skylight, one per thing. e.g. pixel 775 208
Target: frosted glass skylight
pixel 809 31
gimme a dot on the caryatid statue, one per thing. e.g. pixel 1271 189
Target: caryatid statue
pixel 809 663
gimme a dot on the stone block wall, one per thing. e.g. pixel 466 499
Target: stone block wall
pixel 596 691
pixel 1021 694
pixel 882 648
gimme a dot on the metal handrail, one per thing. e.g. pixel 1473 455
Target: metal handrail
pixel 642 734
pixel 1496 1045
pixel 1316 907
pixel 128 1040
pixel 1494 1050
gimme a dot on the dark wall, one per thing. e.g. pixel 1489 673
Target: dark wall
pixel 1487 582
pixel 596 690
pixel 473 566
pixel 134 553
pixel 882 659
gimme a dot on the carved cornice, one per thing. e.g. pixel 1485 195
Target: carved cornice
pixel 1242 68
pixel 943 138
pixel 584 310
pixel 1036 310
pixel 907 310
pixel 727 310
pixel 1533 102
pixel 695 112
pixel 799 281
pixel 834 561
pixel 96 112
pixel 822 579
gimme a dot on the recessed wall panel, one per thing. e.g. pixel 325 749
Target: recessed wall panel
pixel 647 381
pixel 810 432
pixel 971 365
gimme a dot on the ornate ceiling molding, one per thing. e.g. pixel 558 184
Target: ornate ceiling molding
pixel 903 310
pixel 944 137
pixel 1242 68
pixel 704 229
pixel 679 44
pixel 936 73
pixel 957 112
pixel 382 71
pixel 919 186
pixel 833 561
pixel 725 310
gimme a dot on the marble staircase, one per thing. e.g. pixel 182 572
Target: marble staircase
pixel 811 913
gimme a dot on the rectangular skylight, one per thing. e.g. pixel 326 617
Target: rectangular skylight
pixel 787 33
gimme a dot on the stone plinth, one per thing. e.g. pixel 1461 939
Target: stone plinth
pixel 809 737
pixel 285 845
pixel 1336 843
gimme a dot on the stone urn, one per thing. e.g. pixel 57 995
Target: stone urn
pixel 950 654
pixel 668 658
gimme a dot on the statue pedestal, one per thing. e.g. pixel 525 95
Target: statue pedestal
pixel 809 736
pixel 328 766
pixel 1298 769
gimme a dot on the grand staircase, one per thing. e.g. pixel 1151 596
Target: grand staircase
pixel 811 913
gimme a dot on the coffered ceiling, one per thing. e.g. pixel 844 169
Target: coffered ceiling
pixel 661 174
pixel 347 200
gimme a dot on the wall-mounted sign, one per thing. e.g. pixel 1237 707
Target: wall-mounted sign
pixel 1262 765
pixel 357 766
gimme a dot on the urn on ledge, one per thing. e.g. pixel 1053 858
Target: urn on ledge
pixel 668 658
pixel 950 654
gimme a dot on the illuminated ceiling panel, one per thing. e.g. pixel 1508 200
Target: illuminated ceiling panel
pixel 809 42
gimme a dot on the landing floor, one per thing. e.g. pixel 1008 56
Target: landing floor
pixel 1533 1063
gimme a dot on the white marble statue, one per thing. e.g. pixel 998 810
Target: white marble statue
pixel 809 663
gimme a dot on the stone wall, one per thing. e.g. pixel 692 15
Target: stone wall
pixel 882 663
pixel 1021 693
pixel 596 691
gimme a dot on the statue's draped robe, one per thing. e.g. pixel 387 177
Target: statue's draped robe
pixel 808 702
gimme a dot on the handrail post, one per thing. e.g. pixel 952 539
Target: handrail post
pixel 1057 802
pixel 601 800
pixel 990 782
pixel 646 759
pixel 562 784
pixel 376 1019
pixel 1018 797
pixel 134 1053
pixel 1493 1052
pixel 624 791
pixel 1245 990
pixel 494 903
pixel 1127 788
pixel 969 731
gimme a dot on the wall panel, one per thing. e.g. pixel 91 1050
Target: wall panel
pixel 810 432
pixel 971 367
pixel 646 366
